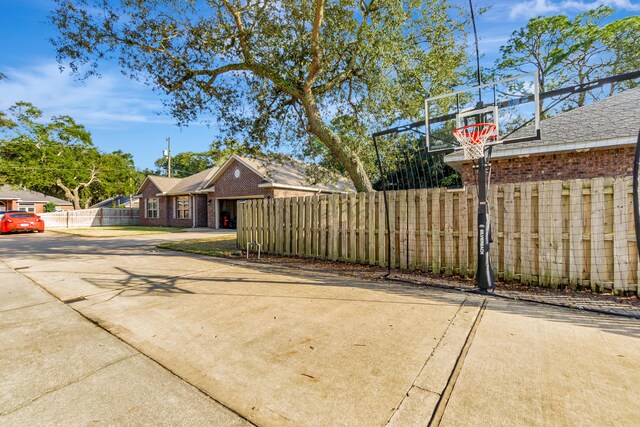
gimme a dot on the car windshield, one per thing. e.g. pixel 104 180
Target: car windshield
pixel 22 215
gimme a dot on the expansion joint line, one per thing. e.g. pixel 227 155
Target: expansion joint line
pixel 441 406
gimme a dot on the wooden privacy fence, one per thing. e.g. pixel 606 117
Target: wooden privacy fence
pixel 577 233
pixel 91 218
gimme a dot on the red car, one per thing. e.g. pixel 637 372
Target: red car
pixel 20 221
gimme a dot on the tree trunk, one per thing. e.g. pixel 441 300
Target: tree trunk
pixel 69 195
pixel 87 203
pixel 333 142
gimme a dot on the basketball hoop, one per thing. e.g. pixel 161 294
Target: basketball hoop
pixel 472 138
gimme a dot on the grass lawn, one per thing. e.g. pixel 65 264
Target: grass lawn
pixel 115 231
pixel 220 246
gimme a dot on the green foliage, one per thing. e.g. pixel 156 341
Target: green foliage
pixel 622 39
pixel 50 207
pixel 184 164
pixel 565 52
pixel 189 163
pixel 287 72
pixel 57 157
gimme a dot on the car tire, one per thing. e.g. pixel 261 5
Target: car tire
pixel 40 231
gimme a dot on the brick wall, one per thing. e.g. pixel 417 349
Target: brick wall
pixel 562 166
pixel 150 191
pixel 227 185
pixel 201 210
pixel 171 213
pixel 10 205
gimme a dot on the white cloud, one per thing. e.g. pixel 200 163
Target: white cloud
pixel 532 8
pixel 104 102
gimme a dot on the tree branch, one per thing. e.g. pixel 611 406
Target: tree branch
pixel 242 34
pixel 213 74
pixel 315 46
pixel 349 70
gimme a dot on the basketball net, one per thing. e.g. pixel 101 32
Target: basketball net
pixel 472 138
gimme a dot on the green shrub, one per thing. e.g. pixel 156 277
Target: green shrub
pixel 50 207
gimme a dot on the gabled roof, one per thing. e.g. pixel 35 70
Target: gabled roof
pixel 286 172
pixel 9 192
pixel 193 183
pixel 174 186
pixel 163 183
pixel 613 121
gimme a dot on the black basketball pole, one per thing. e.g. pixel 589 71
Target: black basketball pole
pixel 484 275
pixel 636 193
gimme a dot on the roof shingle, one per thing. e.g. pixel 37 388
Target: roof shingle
pixel 23 195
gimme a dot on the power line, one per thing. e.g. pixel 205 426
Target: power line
pixel 49 168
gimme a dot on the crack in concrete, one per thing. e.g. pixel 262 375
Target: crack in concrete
pixel 27 306
pixel 136 350
pixel 67 384
pixel 423 389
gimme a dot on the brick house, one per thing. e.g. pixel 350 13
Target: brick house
pixel 14 198
pixel 597 140
pixel 209 198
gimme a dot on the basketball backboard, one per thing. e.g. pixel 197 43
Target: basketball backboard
pixel 513 104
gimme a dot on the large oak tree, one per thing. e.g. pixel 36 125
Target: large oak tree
pixel 57 157
pixel 276 71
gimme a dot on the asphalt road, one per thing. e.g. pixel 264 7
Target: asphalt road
pixel 277 346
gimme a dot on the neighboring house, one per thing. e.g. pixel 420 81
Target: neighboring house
pixel 118 201
pixel 20 199
pixel 209 198
pixel 597 140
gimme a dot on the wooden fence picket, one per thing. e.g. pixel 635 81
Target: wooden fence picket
pixel 554 233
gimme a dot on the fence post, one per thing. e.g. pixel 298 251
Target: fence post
pixel 552 232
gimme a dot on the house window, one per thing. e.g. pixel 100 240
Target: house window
pixel 182 206
pixel 152 208
pixel 27 207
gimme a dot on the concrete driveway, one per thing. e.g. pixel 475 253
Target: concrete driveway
pixel 280 346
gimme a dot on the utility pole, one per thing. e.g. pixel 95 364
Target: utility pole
pixel 167 153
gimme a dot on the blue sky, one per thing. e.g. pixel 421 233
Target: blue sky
pixel 126 115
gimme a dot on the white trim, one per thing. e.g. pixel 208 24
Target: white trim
pixel 142 185
pixel 193 211
pixel 226 165
pixel 217 214
pixel 211 189
pixel 542 148
pixel 26 206
pixel 189 212
pixel 146 208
